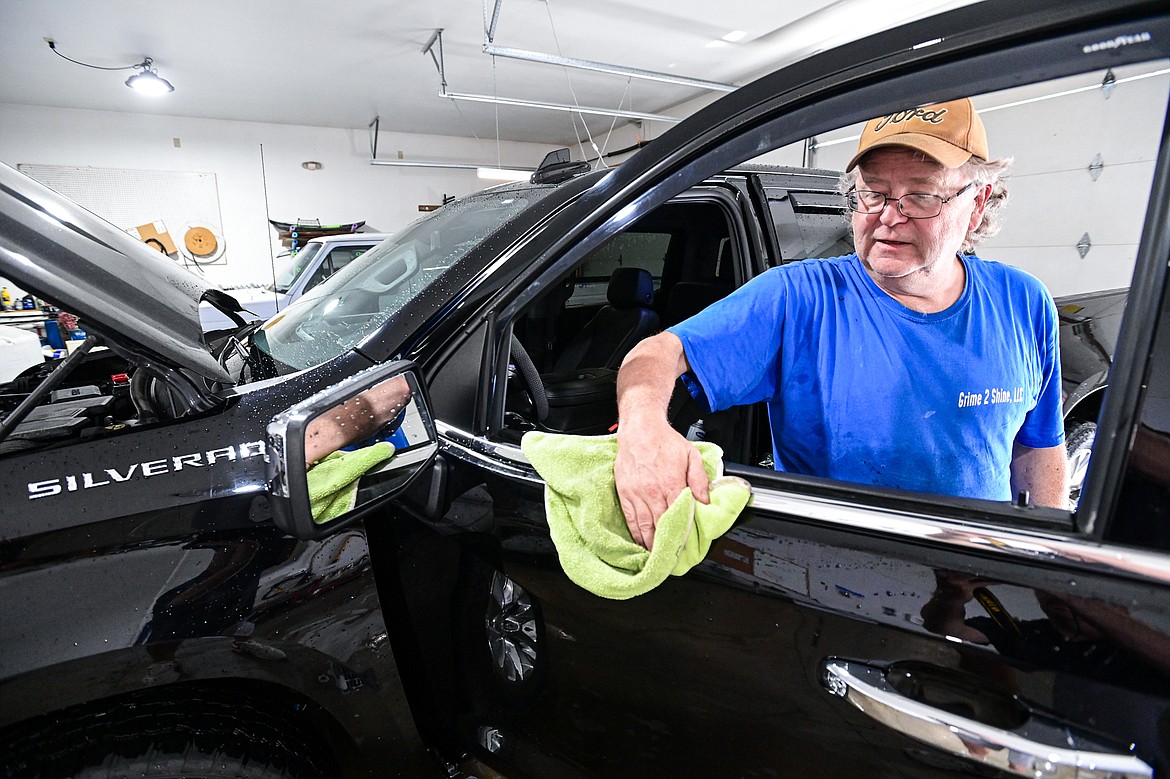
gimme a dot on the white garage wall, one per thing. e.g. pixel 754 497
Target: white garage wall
pixel 1054 200
pixel 346 189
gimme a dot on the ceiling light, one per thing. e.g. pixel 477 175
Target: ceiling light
pixel 503 174
pixel 483 171
pixel 149 82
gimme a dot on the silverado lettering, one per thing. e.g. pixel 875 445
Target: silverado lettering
pixel 91 479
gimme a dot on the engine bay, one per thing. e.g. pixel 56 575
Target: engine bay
pixel 103 390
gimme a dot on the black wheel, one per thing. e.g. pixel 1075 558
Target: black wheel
pixel 1078 443
pixel 513 631
pixel 502 641
pixel 187 738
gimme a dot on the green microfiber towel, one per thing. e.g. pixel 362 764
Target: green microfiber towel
pixel 333 481
pixel 589 529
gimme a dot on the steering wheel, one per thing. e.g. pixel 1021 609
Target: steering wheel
pixel 527 370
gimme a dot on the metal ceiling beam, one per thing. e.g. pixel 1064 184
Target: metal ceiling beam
pixel 490 30
pixel 601 67
pixel 437 38
pixel 578 109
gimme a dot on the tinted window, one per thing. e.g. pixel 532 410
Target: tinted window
pixel 630 249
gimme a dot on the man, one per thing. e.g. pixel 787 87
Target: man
pixel 910 364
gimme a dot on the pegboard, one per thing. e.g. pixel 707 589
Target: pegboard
pixel 128 198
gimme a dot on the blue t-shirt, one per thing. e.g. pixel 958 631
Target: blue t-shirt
pixel 861 388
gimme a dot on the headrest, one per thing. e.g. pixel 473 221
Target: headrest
pixel 552 303
pixel 630 288
pixel 688 298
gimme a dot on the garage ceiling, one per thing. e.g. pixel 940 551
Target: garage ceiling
pixel 343 63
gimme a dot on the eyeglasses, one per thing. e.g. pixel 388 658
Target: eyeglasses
pixel 916 205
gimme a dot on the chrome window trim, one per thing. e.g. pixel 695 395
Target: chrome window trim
pixel 501 459
pixel 1017 545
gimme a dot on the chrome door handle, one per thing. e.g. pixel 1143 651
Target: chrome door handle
pixel 1042 747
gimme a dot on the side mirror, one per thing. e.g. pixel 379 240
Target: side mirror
pixel 345 450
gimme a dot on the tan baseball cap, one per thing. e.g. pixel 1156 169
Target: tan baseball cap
pixel 950 133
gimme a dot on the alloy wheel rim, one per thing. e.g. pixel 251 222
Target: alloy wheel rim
pixel 511 629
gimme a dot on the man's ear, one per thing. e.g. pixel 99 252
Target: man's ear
pixel 981 197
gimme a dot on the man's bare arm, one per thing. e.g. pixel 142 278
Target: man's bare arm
pixel 1043 473
pixel 357 418
pixel 654 462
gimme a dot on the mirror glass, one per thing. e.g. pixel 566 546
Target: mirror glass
pixel 347 447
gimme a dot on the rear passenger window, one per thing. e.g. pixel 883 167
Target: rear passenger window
pixel 630 249
pixel 808 223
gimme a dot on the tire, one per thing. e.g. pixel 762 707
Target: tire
pixel 169 740
pixel 1078 442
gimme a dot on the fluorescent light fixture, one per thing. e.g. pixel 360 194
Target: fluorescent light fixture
pixel 601 67
pixel 503 174
pixel 424 164
pixel 578 109
pixel 483 171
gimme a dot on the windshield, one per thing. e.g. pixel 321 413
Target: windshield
pixel 289 266
pixel 337 314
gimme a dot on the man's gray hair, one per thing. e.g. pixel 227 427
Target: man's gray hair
pixel 994 172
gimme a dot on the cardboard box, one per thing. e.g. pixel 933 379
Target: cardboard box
pixel 155 236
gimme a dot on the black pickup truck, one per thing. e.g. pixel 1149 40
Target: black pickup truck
pixel 184 592
pixel 154 607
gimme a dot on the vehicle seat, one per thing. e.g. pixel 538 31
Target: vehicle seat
pixel 540 335
pixel 581 389
pixel 613 331
pixel 726 427
pixel 690 297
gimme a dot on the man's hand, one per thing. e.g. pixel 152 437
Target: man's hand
pixel 653 462
pixel 653 465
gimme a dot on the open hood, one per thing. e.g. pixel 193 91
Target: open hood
pixel 88 267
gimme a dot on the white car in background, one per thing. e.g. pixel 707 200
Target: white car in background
pixel 295 274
